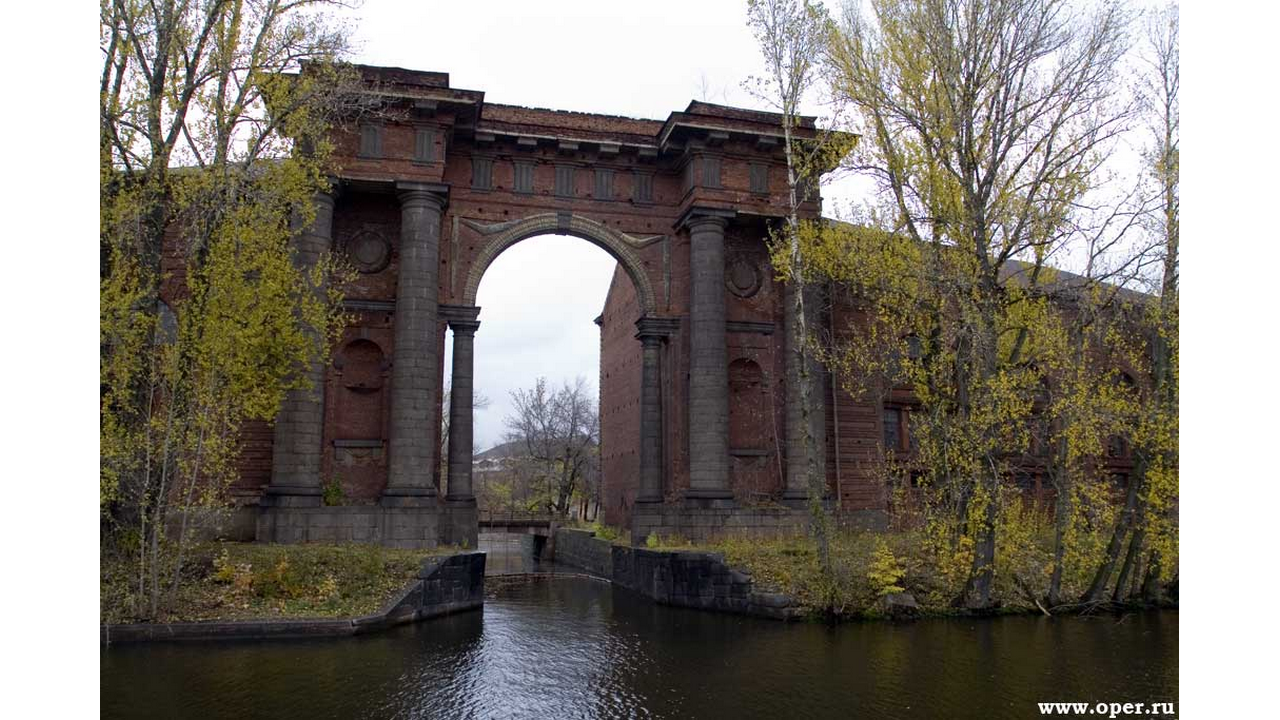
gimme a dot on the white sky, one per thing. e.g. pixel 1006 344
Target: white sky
pixel 537 303
pixel 639 59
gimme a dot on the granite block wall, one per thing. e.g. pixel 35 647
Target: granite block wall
pixel 388 526
pixel 685 579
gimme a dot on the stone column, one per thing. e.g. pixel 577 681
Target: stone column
pixel 462 521
pixel 708 363
pixel 797 487
pixel 650 488
pixel 460 407
pixel 414 366
pixel 299 431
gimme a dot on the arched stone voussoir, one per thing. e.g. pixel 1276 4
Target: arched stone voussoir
pixel 621 246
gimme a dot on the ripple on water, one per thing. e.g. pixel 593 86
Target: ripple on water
pixel 577 648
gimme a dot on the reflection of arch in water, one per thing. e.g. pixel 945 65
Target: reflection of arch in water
pixel 622 247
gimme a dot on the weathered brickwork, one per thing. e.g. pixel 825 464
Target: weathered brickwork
pixel 620 368
pixel 430 191
pixel 254 461
pixel 700 424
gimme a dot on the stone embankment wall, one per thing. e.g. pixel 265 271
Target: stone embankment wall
pixel 582 549
pixel 444 585
pixel 672 577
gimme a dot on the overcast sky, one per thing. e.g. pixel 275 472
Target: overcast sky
pixel 640 59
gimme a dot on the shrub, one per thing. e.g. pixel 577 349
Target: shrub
pixel 223 570
pixel 605 532
pixel 885 572
pixel 281 581
pixel 328 588
pixel 332 494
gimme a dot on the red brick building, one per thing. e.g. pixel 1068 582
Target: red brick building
pixel 695 406
pixel 698 403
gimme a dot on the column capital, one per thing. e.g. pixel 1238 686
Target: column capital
pixel 330 192
pixel 696 218
pixel 420 193
pixel 464 327
pixel 656 328
pixel 460 316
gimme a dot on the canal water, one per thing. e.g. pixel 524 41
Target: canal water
pixel 573 647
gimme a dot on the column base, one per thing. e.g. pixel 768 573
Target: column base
pixel 361 524
pixel 697 498
pixel 799 500
pixel 292 496
pixel 408 497
pixel 646 519
pixel 795 498
pixel 461 522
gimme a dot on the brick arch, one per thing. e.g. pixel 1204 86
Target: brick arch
pixel 621 246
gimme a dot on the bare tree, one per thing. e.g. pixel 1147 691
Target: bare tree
pixel 558 432
pixel 1153 485
pixel 793 37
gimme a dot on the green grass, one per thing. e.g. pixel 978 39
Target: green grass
pixel 865 565
pixel 238 581
pixel 858 559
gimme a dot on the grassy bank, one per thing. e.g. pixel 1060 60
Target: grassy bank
pixel 239 581
pixel 865 566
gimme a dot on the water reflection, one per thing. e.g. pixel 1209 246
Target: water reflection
pixel 579 648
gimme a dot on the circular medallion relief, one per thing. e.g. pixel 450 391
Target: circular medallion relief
pixel 369 252
pixel 743 277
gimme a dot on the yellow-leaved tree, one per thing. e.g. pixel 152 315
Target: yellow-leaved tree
pixel 793 36
pixel 986 123
pixel 213 144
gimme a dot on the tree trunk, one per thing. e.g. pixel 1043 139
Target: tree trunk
pixel 1151 584
pixel 1061 517
pixel 1128 568
pixel 977 591
pixel 1098 588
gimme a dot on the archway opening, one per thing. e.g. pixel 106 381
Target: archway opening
pixel 546 304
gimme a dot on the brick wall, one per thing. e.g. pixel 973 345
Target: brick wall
pixel 418 143
pixel 619 401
